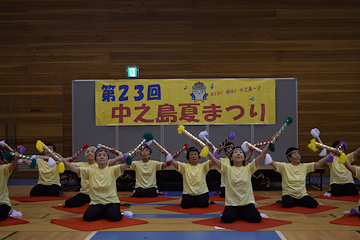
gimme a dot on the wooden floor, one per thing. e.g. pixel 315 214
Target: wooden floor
pixel 304 226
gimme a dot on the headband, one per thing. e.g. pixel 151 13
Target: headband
pixel 295 150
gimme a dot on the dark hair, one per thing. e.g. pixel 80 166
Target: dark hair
pixel 2 154
pixel 147 149
pixel 231 153
pixel 192 149
pixel 52 145
pixel 101 150
pixel 289 152
pixel 229 143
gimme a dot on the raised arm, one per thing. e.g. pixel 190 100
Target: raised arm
pixel 175 163
pixel 249 156
pixel 115 160
pixel 320 162
pixel 274 164
pixel 13 163
pixel 26 162
pixel 262 155
pixel 356 153
pixel 350 167
pixel 71 167
pixel 214 160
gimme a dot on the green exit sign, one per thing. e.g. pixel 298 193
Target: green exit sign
pixel 132 71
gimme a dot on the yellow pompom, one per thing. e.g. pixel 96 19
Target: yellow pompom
pixel 312 145
pixel 181 129
pixel 61 167
pixel 342 158
pixel 204 151
pixel 40 146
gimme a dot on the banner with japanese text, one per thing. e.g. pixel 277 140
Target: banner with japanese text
pixel 185 101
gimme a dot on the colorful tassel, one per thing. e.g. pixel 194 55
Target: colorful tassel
pixel 41 146
pixel 287 122
pixel 205 150
pixel 85 146
pixel 231 137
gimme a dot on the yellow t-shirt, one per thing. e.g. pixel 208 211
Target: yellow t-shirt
pixel 358 177
pixel 84 183
pixel 146 173
pixel 294 178
pixel 339 174
pixel 238 191
pixel 4 191
pixel 194 177
pixel 102 183
pixel 223 161
pixel 48 175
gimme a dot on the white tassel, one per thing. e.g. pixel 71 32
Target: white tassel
pixel 315 132
pixel 15 214
pixel 268 159
pixel 128 214
pixel 323 153
pixel 203 134
pixel 244 146
pixel 168 157
pixel 51 162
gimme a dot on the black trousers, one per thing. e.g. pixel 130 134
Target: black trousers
pixel 43 190
pixel 189 201
pixel 110 211
pixel 141 192
pixel 247 213
pixel 222 192
pixel 306 201
pixel 77 201
pixel 4 210
pixel 348 189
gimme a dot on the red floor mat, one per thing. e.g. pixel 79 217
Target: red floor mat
pixel 146 199
pixel 342 198
pixel 81 209
pixel 220 199
pixel 12 221
pixel 80 224
pixel 348 219
pixel 304 210
pixel 39 199
pixel 241 225
pixel 194 210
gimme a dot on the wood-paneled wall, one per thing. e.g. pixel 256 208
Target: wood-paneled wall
pixel 317 42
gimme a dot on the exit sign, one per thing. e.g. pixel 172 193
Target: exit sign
pixel 132 71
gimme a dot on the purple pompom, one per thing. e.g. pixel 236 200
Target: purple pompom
pixel 124 158
pixel 232 136
pixel 21 149
pixel 216 155
pixel 330 158
pixel 214 194
pixel 353 210
pixel 343 145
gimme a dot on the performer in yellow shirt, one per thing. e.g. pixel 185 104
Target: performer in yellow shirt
pixel 5 172
pixel 355 170
pixel 83 196
pixel 341 180
pixel 239 196
pixel 228 147
pixel 294 179
pixel 195 190
pixel 104 202
pixel 145 173
pixel 49 178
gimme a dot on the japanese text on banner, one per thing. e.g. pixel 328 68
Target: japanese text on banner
pixel 186 101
